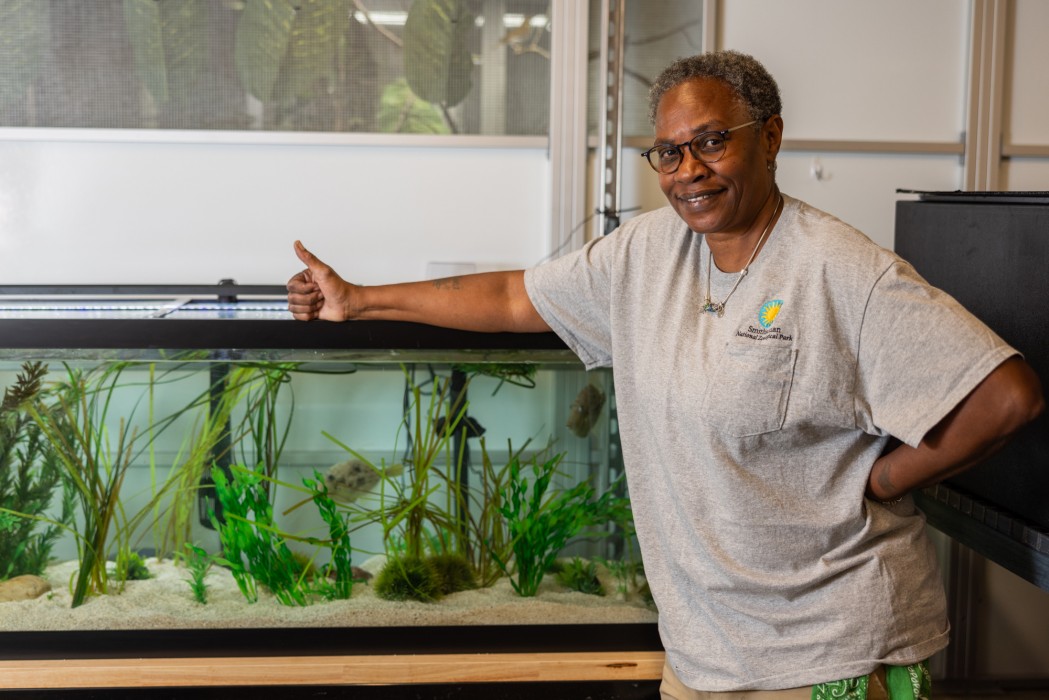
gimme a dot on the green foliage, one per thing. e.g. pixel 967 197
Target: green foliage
pixel 408 577
pixel 624 572
pixel 340 568
pixel 262 40
pixel 256 551
pixel 315 48
pixel 437 58
pixel 24 41
pixel 200 563
pixel 401 111
pixel 541 525
pixel 517 373
pixel 95 463
pixel 407 513
pixel 253 549
pixel 30 475
pixel 169 41
pixel 416 522
pixel 257 437
pixel 131 567
pixel 454 573
pixel 581 576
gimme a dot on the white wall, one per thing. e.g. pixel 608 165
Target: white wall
pixel 861 71
pixel 1026 107
pixel 171 213
pixel 852 71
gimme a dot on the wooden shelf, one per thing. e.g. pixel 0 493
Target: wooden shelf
pixel 407 669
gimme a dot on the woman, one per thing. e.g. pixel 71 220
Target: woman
pixel 764 354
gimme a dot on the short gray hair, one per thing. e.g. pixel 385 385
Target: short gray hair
pixel 754 86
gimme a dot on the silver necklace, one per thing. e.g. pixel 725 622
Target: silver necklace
pixel 718 308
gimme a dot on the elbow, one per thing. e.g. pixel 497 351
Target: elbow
pixel 1024 401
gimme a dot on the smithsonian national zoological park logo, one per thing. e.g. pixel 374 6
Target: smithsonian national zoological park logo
pixel 765 330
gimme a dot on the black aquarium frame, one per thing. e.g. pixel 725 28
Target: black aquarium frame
pixel 179 329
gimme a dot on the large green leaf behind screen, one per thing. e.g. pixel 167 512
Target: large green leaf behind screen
pixel 437 58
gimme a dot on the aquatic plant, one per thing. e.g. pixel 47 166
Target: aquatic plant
pixel 30 476
pixel 580 575
pixel 95 465
pixel 540 525
pixel 465 522
pixel 252 548
pixel 625 572
pixel 257 437
pixel 339 583
pixel 266 432
pixel 199 563
pixel 489 539
pixel 517 373
pixel 408 513
pixel 454 573
pixel 408 577
pixel 129 566
pixel 206 441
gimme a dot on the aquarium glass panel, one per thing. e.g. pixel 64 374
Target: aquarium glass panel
pixel 153 488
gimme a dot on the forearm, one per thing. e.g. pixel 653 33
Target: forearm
pixel 491 302
pixel 1009 398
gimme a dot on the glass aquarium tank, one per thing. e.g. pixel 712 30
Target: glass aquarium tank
pixel 188 470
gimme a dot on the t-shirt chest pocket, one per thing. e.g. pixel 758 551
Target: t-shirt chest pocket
pixel 748 392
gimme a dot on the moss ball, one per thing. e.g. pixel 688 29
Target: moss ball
pixel 408 578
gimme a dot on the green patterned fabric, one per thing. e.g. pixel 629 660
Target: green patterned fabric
pixel 909 682
pixel 848 689
pixel 904 683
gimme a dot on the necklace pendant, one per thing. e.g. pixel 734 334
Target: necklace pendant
pixel 715 308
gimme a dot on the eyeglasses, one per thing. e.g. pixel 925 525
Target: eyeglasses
pixel 708 147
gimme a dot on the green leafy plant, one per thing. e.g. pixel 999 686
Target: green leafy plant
pixel 408 513
pixel 249 390
pixel 253 549
pixel 200 563
pixel 130 566
pixel 541 524
pixel 580 575
pixel 30 477
pixel 625 573
pixel 414 522
pixel 340 570
pixel 437 60
pixel 520 374
pixel 401 111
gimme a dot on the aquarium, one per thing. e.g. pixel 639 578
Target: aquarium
pixel 183 472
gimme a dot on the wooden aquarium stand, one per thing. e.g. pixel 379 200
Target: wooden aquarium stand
pixel 399 669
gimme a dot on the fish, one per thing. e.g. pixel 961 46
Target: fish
pixel 585 410
pixel 347 481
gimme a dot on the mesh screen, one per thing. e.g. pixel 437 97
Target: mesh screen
pixel 388 66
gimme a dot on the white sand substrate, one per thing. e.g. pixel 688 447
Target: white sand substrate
pixel 166 602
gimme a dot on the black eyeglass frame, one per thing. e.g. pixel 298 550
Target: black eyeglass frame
pixel 680 148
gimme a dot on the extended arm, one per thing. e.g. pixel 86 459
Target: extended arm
pixel 1005 401
pixel 493 301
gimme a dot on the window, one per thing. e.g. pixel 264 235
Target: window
pixel 365 66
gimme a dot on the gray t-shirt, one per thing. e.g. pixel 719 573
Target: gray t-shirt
pixel 748 439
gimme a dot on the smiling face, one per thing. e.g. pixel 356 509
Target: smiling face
pixel 727 197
